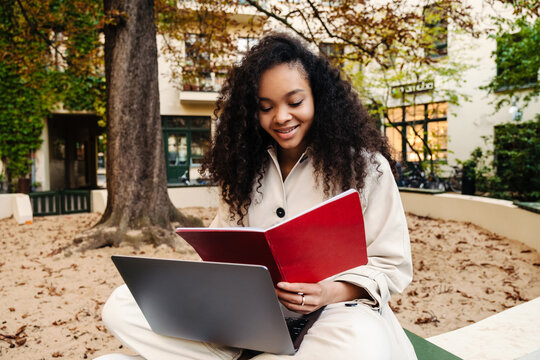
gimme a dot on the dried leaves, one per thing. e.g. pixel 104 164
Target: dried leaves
pixel 461 270
pixel 430 319
pixel 18 339
pixel 53 291
pixel 38 289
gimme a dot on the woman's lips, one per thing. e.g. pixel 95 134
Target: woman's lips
pixel 286 133
pixel 286 130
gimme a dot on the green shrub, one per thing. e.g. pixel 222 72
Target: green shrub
pixel 517 159
pixel 512 170
pixel 515 172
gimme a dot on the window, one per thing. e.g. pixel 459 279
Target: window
pixel 393 133
pixel 194 49
pixel 334 52
pixel 58 51
pixel 435 31
pixel 177 150
pixel 409 128
pixel 187 140
pixel 243 46
pixel 196 74
pixel 199 139
pixel 200 144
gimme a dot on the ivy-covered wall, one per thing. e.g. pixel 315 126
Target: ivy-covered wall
pixel 22 110
pixel 51 58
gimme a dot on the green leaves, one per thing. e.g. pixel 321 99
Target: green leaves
pixel 51 54
pixel 515 171
pixel 517 158
pixel 518 60
pixel 21 121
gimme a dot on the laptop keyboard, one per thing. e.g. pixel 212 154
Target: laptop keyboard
pixel 295 326
pixel 298 327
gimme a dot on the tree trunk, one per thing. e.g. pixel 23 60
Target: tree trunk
pixel 138 206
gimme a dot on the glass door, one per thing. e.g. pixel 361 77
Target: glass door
pixel 178 155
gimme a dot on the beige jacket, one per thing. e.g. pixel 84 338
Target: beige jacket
pixel 389 267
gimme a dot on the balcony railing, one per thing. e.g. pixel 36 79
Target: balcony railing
pixel 210 82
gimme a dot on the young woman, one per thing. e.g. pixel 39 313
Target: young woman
pixel 290 134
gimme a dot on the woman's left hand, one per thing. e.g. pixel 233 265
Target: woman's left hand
pixel 305 298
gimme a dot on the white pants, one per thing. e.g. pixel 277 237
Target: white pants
pixel 341 332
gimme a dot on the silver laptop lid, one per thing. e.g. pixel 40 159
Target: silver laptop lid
pixel 228 304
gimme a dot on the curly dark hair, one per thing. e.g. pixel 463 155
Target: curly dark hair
pixel 340 134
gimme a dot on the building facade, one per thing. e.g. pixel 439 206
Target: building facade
pixel 420 112
pixel 427 108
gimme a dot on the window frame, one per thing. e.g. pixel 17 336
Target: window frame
pixel 404 124
pixel 190 128
pixel 334 52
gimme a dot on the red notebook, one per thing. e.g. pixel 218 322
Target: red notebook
pixel 309 247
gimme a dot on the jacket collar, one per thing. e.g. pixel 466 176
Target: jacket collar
pixel 271 149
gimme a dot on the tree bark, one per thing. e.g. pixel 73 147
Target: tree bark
pixel 138 205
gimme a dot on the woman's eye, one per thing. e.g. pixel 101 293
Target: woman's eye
pixel 295 104
pixel 265 109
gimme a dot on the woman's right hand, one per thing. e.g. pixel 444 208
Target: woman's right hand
pixel 305 298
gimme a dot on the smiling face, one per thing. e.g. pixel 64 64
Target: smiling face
pixel 286 107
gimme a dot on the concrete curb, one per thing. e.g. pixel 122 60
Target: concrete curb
pixel 510 334
pixel 498 216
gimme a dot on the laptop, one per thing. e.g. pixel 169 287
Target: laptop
pixel 222 303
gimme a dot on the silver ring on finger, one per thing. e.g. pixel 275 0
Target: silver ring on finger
pixel 303 298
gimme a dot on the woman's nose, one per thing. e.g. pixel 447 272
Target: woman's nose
pixel 282 114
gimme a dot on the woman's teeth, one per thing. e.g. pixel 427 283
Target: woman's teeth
pixel 286 131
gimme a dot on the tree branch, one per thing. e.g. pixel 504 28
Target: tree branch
pixel 279 18
pixel 34 28
pixel 306 22
pixel 317 15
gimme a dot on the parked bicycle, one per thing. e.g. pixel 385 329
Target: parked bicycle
pixel 455 179
pixel 434 182
pixel 414 176
pixel 410 175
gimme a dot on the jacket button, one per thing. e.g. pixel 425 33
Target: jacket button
pixel 280 212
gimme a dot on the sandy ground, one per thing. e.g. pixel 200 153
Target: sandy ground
pixel 51 300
